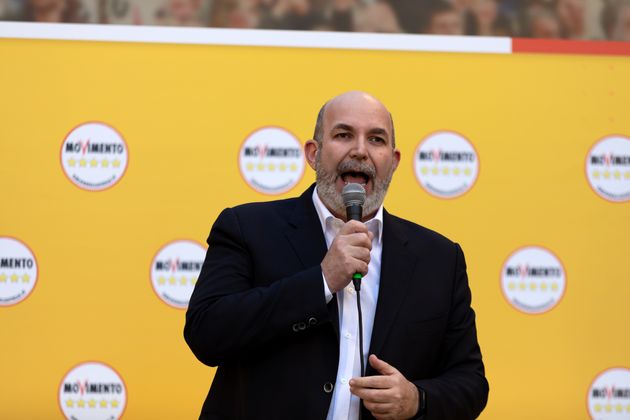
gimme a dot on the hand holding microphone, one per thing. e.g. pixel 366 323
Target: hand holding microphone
pixel 349 254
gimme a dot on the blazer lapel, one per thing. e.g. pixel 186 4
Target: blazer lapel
pixel 396 269
pixel 308 241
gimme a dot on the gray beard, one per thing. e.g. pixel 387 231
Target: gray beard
pixel 327 190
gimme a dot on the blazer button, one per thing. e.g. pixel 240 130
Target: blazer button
pixel 312 321
pixel 295 327
pixel 301 326
pixel 328 387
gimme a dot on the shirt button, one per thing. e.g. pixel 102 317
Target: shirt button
pixel 301 326
pixel 312 321
pixel 347 335
pixel 295 327
pixel 344 381
pixel 328 387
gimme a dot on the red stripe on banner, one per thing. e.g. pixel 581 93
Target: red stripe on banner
pixel 563 46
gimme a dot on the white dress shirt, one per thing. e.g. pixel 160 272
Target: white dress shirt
pixel 344 405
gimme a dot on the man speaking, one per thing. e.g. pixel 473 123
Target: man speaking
pixel 276 310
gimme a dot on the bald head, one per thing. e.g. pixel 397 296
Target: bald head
pixel 349 100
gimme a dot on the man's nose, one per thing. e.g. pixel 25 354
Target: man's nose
pixel 359 148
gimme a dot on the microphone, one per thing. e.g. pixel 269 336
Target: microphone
pixel 353 198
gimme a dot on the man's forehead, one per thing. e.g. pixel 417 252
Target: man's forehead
pixel 357 110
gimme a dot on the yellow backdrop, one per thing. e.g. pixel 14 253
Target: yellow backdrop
pixel 184 112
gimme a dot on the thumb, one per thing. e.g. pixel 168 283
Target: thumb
pixel 381 366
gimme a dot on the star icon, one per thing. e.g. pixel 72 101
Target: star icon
pixel 171 280
pixel 14 278
pixel 72 162
pixel 81 403
pixel 183 281
pixel 598 407
pixel 446 171
pixel 456 171
pixel 272 167
pixel 249 166
pixel 607 174
pixel 511 285
pixel 596 174
pixel 293 167
pixel 26 278
pixel 260 166
pixel 283 167
pixel 533 286
pixel 193 281
pixel 94 163
pixel 105 163
pixel 69 403
pixel 82 162
pixel 543 287
pixel 116 163
pixel 92 403
pixel 114 403
pixel 467 171
pixel 3 278
pixel 161 281
pixel 424 170
pixel 435 170
pixel 626 175
pixel 608 408
pixel 619 408
pixel 617 175
pixel 103 403
pixel 522 286
pixel 554 287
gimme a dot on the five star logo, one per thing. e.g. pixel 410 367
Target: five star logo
pixel 92 390
pixel 608 397
pixel 174 271
pixel 271 160
pixel 608 168
pixel 446 164
pixel 18 271
pixel 533 280
pixel 94 156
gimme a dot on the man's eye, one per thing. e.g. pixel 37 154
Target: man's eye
pixel 377 139
pixel 343 135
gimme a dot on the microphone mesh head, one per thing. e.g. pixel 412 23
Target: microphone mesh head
pixel 353 195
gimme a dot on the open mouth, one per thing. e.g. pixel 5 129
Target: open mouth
pixel 355 177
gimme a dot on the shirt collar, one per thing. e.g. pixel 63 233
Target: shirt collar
pixel 324 214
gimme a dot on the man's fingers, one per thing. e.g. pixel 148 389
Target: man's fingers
pixel 374 395
pixel 353 226
pixel 381 366
pixel 377 382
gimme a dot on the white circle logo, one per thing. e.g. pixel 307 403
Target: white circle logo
pixel 92 390
pixel 608 168
pixel 271 160
pixel 18 271
pixel 174 271
pixel 94 156
pixel 609 395
pixel 533 280
pixel 446 164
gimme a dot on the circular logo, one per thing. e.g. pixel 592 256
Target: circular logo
pixel 174 271
pixel 609 395
pixel 271 160
pixel 18 271
pixel 92 390
pixel 446 164
pixel 608 168
pixel 533 280
pixel 94 156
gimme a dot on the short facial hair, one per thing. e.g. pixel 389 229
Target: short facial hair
pixel 329 195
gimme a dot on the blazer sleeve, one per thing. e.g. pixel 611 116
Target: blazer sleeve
pixel 461 390
pixel 229 316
